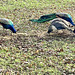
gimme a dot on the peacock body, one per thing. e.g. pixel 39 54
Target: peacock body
pixel 66 17
pixel 58 24
pixel 7 24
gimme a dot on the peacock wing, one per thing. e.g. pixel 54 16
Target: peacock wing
pixel 6 21
pixel 63 15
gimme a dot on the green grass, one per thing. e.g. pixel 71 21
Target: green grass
pixel 10 5
pixel 32 51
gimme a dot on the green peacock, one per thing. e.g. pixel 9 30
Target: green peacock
pixel 52 16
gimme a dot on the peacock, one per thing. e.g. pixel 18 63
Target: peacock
pixel 7 24
pixel 52 16
pixel 58 24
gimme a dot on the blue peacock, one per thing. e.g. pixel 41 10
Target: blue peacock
pixel 7 24
pixel 52 16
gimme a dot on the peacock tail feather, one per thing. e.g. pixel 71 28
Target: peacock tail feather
pixel 44 18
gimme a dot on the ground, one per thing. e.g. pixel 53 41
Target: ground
pixel 31 51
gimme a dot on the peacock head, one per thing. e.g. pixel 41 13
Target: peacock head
pixel 12 29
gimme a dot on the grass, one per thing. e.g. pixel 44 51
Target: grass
pixel 32 51
pixel 14 4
